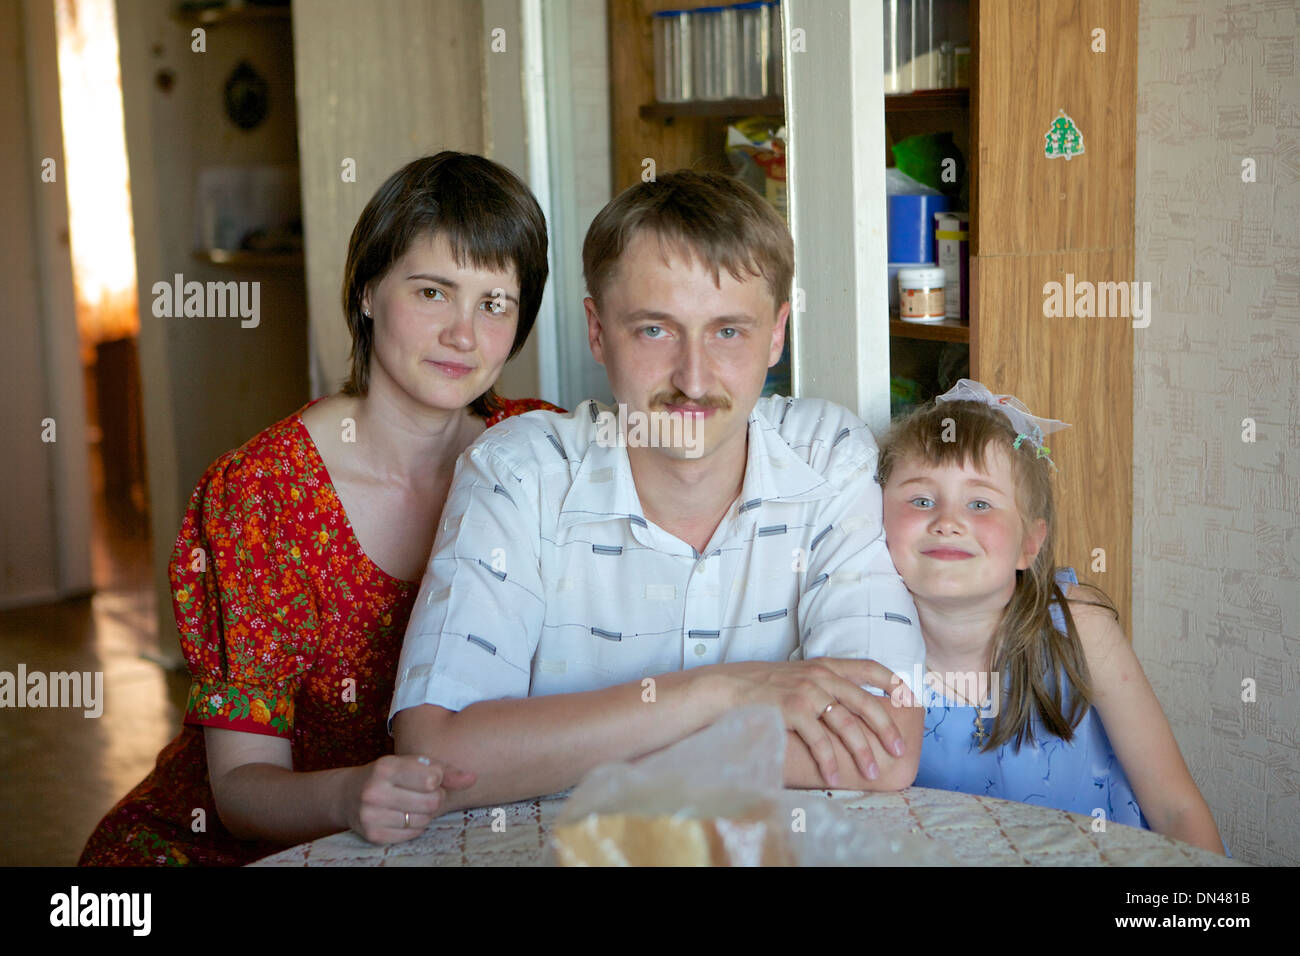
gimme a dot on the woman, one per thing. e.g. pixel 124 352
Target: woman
pixel 299 558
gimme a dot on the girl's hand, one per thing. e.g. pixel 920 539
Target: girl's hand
pixel 394 798
pixel 805 689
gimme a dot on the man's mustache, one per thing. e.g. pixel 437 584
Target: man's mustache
pixel 677 398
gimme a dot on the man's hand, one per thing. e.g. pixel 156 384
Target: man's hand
pixel 823 697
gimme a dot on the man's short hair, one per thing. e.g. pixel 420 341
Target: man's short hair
pixel 719 220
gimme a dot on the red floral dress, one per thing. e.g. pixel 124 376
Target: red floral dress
pixel 289 630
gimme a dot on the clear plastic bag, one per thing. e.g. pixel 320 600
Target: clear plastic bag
pixel 718 798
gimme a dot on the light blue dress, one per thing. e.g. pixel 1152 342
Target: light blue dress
pixel 1080 776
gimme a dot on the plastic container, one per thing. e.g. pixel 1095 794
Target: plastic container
pixel 920 294
pixel 922 43
pixel 776 43
pixel 899 40
pixel 911 226
pixel 961 66
pixel 754 34
pixel 952 240
pixel 729 55
pixel 926 57
pixel 708 58
pixel 894 269
pixel 672 38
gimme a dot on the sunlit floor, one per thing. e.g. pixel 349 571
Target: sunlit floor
pixel 60 771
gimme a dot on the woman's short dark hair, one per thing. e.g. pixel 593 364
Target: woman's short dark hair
pixel 487 215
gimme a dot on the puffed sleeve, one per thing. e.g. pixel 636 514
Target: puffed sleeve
pixel 243 600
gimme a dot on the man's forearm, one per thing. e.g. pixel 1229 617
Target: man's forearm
pixel 522 748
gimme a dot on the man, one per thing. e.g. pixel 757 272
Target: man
pixel 596 596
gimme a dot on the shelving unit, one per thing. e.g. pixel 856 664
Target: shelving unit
pixel 927 101
pixel 212 16
pixel 716 109
pixel 1032 221
pixel 249 259
pixel 949 330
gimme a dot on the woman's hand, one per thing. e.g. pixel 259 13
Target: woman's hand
pixel 394 798
pixel 260 797
pixel 824 696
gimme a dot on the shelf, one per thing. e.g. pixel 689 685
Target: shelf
pixel 768 106
pixel 211 16
pixel 949 330
pixel 246 257
pixel 928 101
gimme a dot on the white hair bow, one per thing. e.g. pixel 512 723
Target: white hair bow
pixel 1028 426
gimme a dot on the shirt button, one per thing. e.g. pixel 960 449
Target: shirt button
pixel 699 568
pixel 699 650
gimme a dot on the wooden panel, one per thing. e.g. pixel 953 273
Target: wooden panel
pixel 690 142
pixel 1077 370
pixel 1035 59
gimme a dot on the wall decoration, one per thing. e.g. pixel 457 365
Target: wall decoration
pixel 247 97
pixel 1063 139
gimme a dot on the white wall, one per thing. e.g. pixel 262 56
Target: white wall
pixel 207 384
pixel 1216 539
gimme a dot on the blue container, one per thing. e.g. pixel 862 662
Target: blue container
pixel 911 227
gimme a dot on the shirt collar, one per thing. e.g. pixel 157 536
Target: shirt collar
pixel 603 488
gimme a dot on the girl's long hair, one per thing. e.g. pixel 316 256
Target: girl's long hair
pixel 1027 651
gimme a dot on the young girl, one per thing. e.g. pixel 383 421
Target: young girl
pixel 1032 691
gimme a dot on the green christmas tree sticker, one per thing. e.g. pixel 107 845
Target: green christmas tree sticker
pixel 1063 139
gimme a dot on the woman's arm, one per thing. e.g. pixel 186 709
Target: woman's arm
pixel 1140 734
pixel 260 797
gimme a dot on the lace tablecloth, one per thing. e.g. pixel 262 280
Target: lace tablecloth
pixel 973 830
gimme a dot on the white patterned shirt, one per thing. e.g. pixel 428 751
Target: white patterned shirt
pixel 546 577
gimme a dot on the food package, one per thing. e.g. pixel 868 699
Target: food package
pixel 756 150
pixel 717 798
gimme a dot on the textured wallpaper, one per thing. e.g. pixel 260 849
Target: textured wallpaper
pixel 1216 462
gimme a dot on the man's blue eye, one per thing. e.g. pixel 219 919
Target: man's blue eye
pixel 649 329
pixel 729 333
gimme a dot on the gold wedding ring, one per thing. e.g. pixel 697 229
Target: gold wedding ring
pixel 407 814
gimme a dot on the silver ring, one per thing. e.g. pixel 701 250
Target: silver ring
pixel 408 819
pixel 828 708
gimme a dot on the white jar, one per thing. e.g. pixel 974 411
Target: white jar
pixel 920 294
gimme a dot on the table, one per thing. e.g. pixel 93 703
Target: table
pixel 967 829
